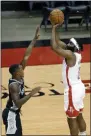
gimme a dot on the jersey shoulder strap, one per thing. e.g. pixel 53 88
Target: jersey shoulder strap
pixel 12 81
pixel 78 56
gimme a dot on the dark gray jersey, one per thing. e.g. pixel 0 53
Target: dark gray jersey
pixel 10 102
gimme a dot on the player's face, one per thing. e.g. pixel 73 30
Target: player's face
pixel 20 71
pixel 70 46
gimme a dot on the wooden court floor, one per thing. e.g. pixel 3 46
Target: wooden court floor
pixel 44 115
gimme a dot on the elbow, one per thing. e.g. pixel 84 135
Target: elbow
pixel 53 47
pixel 18 105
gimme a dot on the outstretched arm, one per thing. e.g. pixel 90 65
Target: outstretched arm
pixel 29 49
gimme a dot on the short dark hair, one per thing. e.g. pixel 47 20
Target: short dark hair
pixel 13 68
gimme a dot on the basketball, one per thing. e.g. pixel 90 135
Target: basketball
pixel 56 17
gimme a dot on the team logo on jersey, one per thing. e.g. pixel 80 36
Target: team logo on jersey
pixel 71 109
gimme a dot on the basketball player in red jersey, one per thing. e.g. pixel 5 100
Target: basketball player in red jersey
pixel 74 89
pixel 17 97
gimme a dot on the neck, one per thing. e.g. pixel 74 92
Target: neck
pixel 16 78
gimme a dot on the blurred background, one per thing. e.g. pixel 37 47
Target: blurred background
pixel 19 19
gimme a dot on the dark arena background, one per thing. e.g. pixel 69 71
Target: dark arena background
pixel 44 113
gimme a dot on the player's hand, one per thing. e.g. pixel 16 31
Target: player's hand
pixel 56 26
pixel 37 33
pixel 35 90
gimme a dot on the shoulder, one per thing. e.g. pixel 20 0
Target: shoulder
pixel 78 55
pixel 13 85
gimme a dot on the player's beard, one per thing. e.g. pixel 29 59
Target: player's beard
pixel 70 48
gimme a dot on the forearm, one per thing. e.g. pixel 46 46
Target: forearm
pixel 58 41
pixel 28 53
pixel 29 49
pixel 58 49
pixel 57 36
pixel 53 39
pixel 22 101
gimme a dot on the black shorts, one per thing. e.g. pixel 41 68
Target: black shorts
pixel 12 122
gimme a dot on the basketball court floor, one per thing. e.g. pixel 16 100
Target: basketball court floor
pixel 44 113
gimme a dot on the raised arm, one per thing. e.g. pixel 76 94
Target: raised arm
pixel 58 48
pixel 58 41
pixel 29 49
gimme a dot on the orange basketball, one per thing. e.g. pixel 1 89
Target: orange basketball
pixel 56 17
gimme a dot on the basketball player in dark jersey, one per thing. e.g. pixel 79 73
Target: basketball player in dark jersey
pixel 17 97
